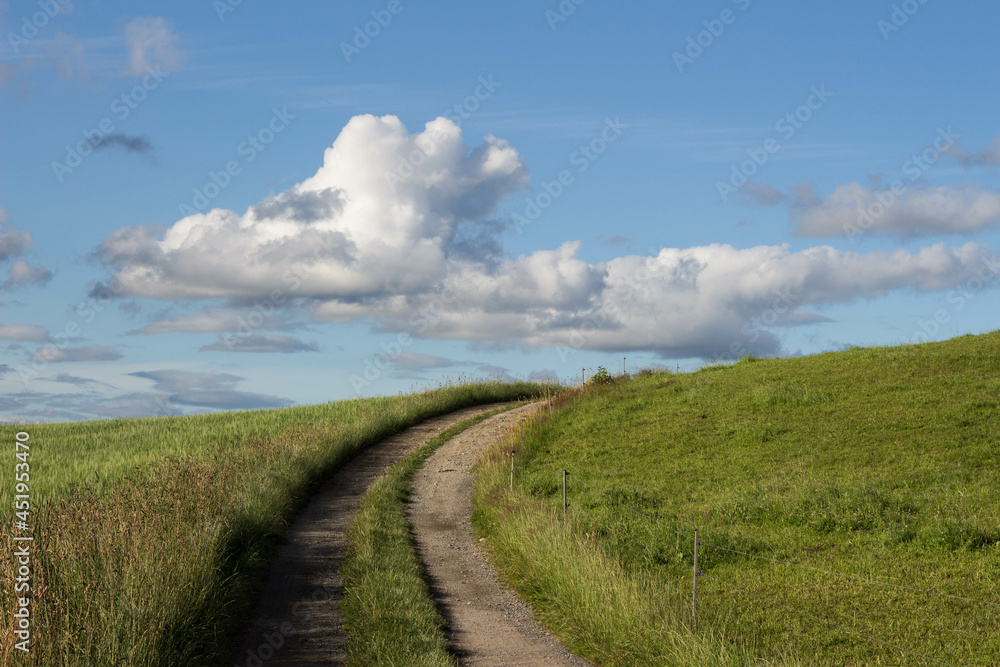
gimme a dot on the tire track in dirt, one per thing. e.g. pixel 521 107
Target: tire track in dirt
pixel 490 626
pixel 297 619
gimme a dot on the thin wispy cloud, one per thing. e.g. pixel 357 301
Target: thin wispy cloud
pixel 260 344
pixel 25 332
pixel 152 43
pixel 989 156
pixel 54 354
pixel 208 390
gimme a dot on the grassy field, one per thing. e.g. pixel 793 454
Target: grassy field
pixel 389 614
pixel 152 533
pixel 879 464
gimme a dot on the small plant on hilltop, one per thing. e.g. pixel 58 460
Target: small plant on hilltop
pixel 602 376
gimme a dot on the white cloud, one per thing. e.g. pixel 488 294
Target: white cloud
pixel 24 332
pixel 693 302
pixel 23 273
pixel 853 208
pixel 372 236
pixel 397 252
pixel 13 242
pixel 152 43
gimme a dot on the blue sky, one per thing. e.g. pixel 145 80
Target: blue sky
pixel 217 206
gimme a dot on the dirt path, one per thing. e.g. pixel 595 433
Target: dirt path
pixel 297 619
pixel 490 625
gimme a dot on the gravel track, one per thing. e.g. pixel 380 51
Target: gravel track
pixel 490 626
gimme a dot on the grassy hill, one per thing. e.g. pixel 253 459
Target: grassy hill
pixel 877 464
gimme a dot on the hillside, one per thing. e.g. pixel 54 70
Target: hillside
pixel 831 492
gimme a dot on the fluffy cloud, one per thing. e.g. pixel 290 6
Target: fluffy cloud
pixel 395 228
pixel 151 43
pixel 12 242
pixel 693 302
pixel 23 273
pixel 853 208
pixel 357 229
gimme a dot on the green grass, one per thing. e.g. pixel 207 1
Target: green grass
pixel 154 560
pixel 388 611
pixel 878 463
pixel 98 452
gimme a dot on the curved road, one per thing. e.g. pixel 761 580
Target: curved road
pixel 297 619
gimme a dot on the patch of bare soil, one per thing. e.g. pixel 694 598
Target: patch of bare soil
pixel 297 618
pixel 489 624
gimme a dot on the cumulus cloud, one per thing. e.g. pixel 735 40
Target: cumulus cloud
pixel 693 302
pixel 53 354
pixel 353 230
pixel 208 390
pixel 13 242
pixel 23 273
pixel 260 343
pixel 152 43
pixel 853 208
pixel 28 332
pixel 420 253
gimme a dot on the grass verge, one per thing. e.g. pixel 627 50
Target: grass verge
pixel 874 463
pixel 388 611
pixel 157 564
pixel 579 588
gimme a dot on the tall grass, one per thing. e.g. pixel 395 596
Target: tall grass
pixel 156 563
pixel 875 463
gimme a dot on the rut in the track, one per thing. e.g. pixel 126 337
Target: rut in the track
pixel 298 609
pixel 489 624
